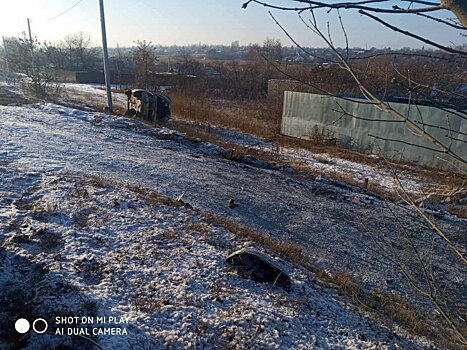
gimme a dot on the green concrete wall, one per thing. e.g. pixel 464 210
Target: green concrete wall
pixel 303 112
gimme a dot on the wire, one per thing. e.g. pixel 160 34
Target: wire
pixel 69 9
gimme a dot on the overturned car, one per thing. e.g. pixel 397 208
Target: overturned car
pixel 148 106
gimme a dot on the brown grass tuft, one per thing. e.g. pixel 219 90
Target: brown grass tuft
pixel 261 117
pixel 388 308
pixel 459 211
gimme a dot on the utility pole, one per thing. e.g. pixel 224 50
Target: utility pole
pixel 106 58
pixel 5 50
pixel 31 46
pixel 29 30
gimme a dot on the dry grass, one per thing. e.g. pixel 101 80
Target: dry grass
pixel 254 119
pixel 459 211
pixel 6 100
pixel 236 152
pixel 260 118
pixel 447 182
pixel 195 227
pixel 10 98
pixel 263 117
pixel 388 308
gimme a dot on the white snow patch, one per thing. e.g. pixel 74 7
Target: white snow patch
pixel 163 269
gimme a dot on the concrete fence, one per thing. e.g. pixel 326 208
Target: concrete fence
pixel 381 132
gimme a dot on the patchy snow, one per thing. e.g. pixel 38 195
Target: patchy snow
pixel 8 86
pixel 329 164
pixel 104 251
pixel 105 245
pixel 53 138
pixel 324 163
pixel 91 94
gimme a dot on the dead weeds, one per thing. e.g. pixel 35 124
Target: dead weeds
pixel 255 117
pixel 263 117
pixel 386 307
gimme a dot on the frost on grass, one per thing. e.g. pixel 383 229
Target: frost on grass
pixel 73 246
pixel 325 164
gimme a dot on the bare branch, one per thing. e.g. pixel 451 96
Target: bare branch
pixel 439 20
pixel 345 113
pixel 313 5
pixel 455 138
pixel 386 106
pixel 301 81
pixel 428 3
pixel 345 35
pixel 409 144
pixel 297 44
pixel 405 32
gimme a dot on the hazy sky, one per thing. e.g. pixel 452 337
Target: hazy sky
pixel 184 22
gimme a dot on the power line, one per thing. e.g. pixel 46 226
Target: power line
pixel 69 9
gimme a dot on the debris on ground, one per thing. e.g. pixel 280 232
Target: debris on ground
pixel 94 248
pixel 259 267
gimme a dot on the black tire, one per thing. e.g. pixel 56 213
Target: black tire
pixel 130 113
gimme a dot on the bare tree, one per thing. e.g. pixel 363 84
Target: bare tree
pixel 80 53
pixel 145 59
pixel 344 61
pixel 31 58
pixel 437 93
pixel 119 64
pixel 272 49
pixel 188 65
pixel 254 53
pixel 4 64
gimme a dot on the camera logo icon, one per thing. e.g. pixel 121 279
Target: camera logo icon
pixel 39 325
pixel 22 325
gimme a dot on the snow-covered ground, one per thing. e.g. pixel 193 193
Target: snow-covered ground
pixel 104 251
pixel 323 163
pixel 326 164
pixel 91 95
pixel 51 138
pixel 89 243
